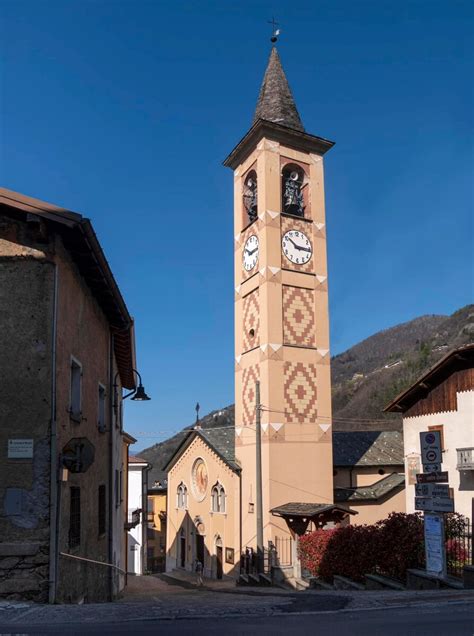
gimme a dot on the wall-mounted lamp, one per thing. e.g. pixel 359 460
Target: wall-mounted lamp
pixel 138 394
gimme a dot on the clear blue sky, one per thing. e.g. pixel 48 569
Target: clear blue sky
pixel 124 110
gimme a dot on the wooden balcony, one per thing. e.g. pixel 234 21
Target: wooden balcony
pixel 465 458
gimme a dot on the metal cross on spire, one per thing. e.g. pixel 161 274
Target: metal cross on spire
pixel 275 31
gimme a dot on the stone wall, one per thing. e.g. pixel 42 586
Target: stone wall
pixel 26 316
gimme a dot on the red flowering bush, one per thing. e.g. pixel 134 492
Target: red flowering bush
pixel 350 552
pixel 390 547
pixel 311 549
pixel 400 544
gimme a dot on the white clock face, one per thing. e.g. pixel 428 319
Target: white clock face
pixel 250 254
pixel 297 247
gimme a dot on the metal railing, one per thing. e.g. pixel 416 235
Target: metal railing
pixel 459 548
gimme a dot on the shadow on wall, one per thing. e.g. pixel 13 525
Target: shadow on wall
pixel 466 480
pixel 192 543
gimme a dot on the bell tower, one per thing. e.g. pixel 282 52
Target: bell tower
pixel 281 309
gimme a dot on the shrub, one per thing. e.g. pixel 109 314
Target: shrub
pixel 350 552
pixel 400 544
pixel 311 548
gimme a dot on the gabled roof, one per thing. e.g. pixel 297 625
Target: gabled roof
pixel 297 509
pixel 379 490
pixel 220 440
pixel 82 244
pixel 460 358
pixel 367 448
pixel 275 101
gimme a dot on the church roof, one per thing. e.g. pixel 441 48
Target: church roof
pixel 275 101
pixel 221 440
pixel 367 448
pixel 379 490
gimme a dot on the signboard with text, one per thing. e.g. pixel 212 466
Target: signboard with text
pixel 20 448
pixel 434 504
pixel 440 477
pixel 434 544
pixel 432 490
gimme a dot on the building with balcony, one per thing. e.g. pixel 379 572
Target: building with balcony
pixel 442 400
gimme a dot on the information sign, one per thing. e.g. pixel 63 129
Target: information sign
pixel 440 477
pixel 434 544
pixel 20 448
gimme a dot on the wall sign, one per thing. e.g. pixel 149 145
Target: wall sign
pixel 434 544
pixel 20 448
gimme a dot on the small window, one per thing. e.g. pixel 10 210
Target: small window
pixel 75 409
pixel 75 517
pixel 101 409
pixel 218 498
pixel 182 497
pixel 440 428
pixel 102 510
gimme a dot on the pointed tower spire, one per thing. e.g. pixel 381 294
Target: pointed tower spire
pixel 275 101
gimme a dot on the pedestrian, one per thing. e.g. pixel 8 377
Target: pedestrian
pixel 198 569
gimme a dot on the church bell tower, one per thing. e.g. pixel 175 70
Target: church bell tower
pixel 281 310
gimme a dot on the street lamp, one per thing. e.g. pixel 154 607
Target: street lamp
pixel 138 394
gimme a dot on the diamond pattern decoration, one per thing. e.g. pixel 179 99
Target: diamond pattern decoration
pixel 298 312
pixel 251 321
pixel 249 378
pixel 300 392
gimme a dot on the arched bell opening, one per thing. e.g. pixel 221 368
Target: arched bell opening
pixel 293 187
pixel 250 197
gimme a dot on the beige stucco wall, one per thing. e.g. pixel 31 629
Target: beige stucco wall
pixel 296 456
pixel 458 428
pixel 370 513
pixel 216 525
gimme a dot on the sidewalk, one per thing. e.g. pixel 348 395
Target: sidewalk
pixel 175 596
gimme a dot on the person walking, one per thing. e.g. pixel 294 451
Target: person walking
pixel 198 569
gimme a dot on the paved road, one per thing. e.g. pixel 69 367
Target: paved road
pixel 436 620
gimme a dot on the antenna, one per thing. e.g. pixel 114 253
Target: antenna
pixel 275 32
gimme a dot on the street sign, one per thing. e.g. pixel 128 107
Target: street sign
pixel 431 468
pixel 440 477
pixel 432 490
pixel 430 443
pixel 434 544
pixel 434 504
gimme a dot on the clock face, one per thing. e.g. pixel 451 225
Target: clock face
pixel 250 254
pixel 297 247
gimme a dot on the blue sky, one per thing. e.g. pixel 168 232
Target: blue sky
pixel 124 111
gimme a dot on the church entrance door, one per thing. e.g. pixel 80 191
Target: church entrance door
pixel 219 562
pixel 182 551
pixel 200 548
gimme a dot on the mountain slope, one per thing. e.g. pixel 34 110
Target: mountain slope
pixel 364 378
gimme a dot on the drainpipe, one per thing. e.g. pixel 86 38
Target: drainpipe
pixel 111 467
pixel 241 517
pixel 54 469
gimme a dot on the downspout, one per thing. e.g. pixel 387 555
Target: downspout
pixel 111 466
pixel 54 469
pixel 241 518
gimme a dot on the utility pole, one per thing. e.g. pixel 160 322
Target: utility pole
pixel 258 446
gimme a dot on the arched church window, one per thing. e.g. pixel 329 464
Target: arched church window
pixel 218 498
pixel 182 496
pixel 292 190
pixel 250 192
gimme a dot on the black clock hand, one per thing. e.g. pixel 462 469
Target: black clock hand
pixel 250 252
pixel 299 247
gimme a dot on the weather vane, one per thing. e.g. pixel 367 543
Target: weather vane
pixel 197 425
pixel 275 32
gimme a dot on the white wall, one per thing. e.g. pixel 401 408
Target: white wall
pixel 458 428
pixel 135 535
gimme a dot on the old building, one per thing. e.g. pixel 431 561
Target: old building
pixel 137 515
pixel 67 346
pixel 442 399
pixel 369 473
pixel 156 533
